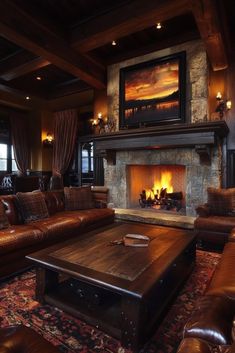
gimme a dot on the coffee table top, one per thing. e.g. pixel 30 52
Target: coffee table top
pixel 91 257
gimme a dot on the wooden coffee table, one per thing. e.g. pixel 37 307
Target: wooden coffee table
pixel 123 290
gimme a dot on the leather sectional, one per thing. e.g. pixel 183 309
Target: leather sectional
pixel 19 239
pixel 211 327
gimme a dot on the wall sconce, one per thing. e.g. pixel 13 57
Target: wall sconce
pixel 48 142
pixel 222 106
pixel 99 123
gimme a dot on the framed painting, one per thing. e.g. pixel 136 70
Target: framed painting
pixel 153 92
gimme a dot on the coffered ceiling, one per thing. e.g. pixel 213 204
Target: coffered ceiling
pixel 51 48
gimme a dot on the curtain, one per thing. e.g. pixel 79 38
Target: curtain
pixel 20 141
pixel 65 133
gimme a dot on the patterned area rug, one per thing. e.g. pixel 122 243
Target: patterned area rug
pixel 18 305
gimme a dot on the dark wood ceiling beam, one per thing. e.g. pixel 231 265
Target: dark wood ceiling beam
pixel 130 18
pixel 158 45
pixel 12 95
pixel 16 26
pixel 9 63
pixel 207 20
pixel 68 88
pixel 25 68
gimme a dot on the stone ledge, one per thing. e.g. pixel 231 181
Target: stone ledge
pixel 151 217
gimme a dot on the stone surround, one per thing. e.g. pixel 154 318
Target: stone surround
pixel 199 176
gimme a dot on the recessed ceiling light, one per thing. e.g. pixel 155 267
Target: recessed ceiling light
pixel 39 78
pixel 158 26
pixel 114 43
pixel 27 98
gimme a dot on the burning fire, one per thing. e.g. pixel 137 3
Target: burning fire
pixel 164 183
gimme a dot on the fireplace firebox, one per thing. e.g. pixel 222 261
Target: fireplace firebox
pixel 160 187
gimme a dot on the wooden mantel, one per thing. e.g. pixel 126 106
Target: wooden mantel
pixel 198 135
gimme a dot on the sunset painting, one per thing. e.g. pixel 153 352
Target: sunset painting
pixel 151 93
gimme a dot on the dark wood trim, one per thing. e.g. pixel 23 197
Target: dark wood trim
pixel 220 128
pixel 231 169
pixel 28 32
pixel 23 69
pixel 17 59
pixel 200 135
pixel 119 23
pixel 149 48
pixel 207 20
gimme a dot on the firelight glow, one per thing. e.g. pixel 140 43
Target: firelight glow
pixel 164 183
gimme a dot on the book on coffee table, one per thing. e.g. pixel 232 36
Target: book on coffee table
pixel 137 240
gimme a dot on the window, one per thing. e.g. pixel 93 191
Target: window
pixel 3 157
pixel 13 162
pixel 7 159
pixel 87 163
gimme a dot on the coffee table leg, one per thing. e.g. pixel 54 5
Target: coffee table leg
pixel 132 319
pixel 45 280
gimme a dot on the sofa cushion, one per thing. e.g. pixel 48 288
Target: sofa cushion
pixel 78 198
pixel 32 206
pixel 58 226
pixel 17 237
pixel 91 216
pixel 3 217
pixel 221 201
pixel 54 201
pixel 219 224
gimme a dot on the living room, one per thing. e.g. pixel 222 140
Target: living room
pixel 116 124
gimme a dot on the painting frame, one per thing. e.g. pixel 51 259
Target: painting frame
pixel 159 109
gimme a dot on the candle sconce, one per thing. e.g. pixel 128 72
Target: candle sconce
pixel 223 105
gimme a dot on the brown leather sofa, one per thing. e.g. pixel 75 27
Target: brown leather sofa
pixel 21 339
pixel 211 327
pixel 20 239
pixel 216 218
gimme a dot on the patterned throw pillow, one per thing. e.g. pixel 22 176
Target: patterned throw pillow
pixel 3 217
pixel 32 206
pixel 221 201
pixel 78 198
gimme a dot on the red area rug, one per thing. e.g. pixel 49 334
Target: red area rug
pixel 18 305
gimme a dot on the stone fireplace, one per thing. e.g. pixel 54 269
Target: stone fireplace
pixel 194 147
pixel 197 176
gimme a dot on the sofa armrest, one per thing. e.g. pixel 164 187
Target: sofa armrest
pixel 212 320
pixel 100 204
pixel 203 210
pixel 232 236
pixel 193 345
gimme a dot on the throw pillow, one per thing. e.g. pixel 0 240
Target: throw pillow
pixel 78 198
pixel 32 206
pixel 3 217
pixel 221 201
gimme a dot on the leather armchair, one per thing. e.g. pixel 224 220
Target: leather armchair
pixel 211 328
pixel 21 339
pixel 216 218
